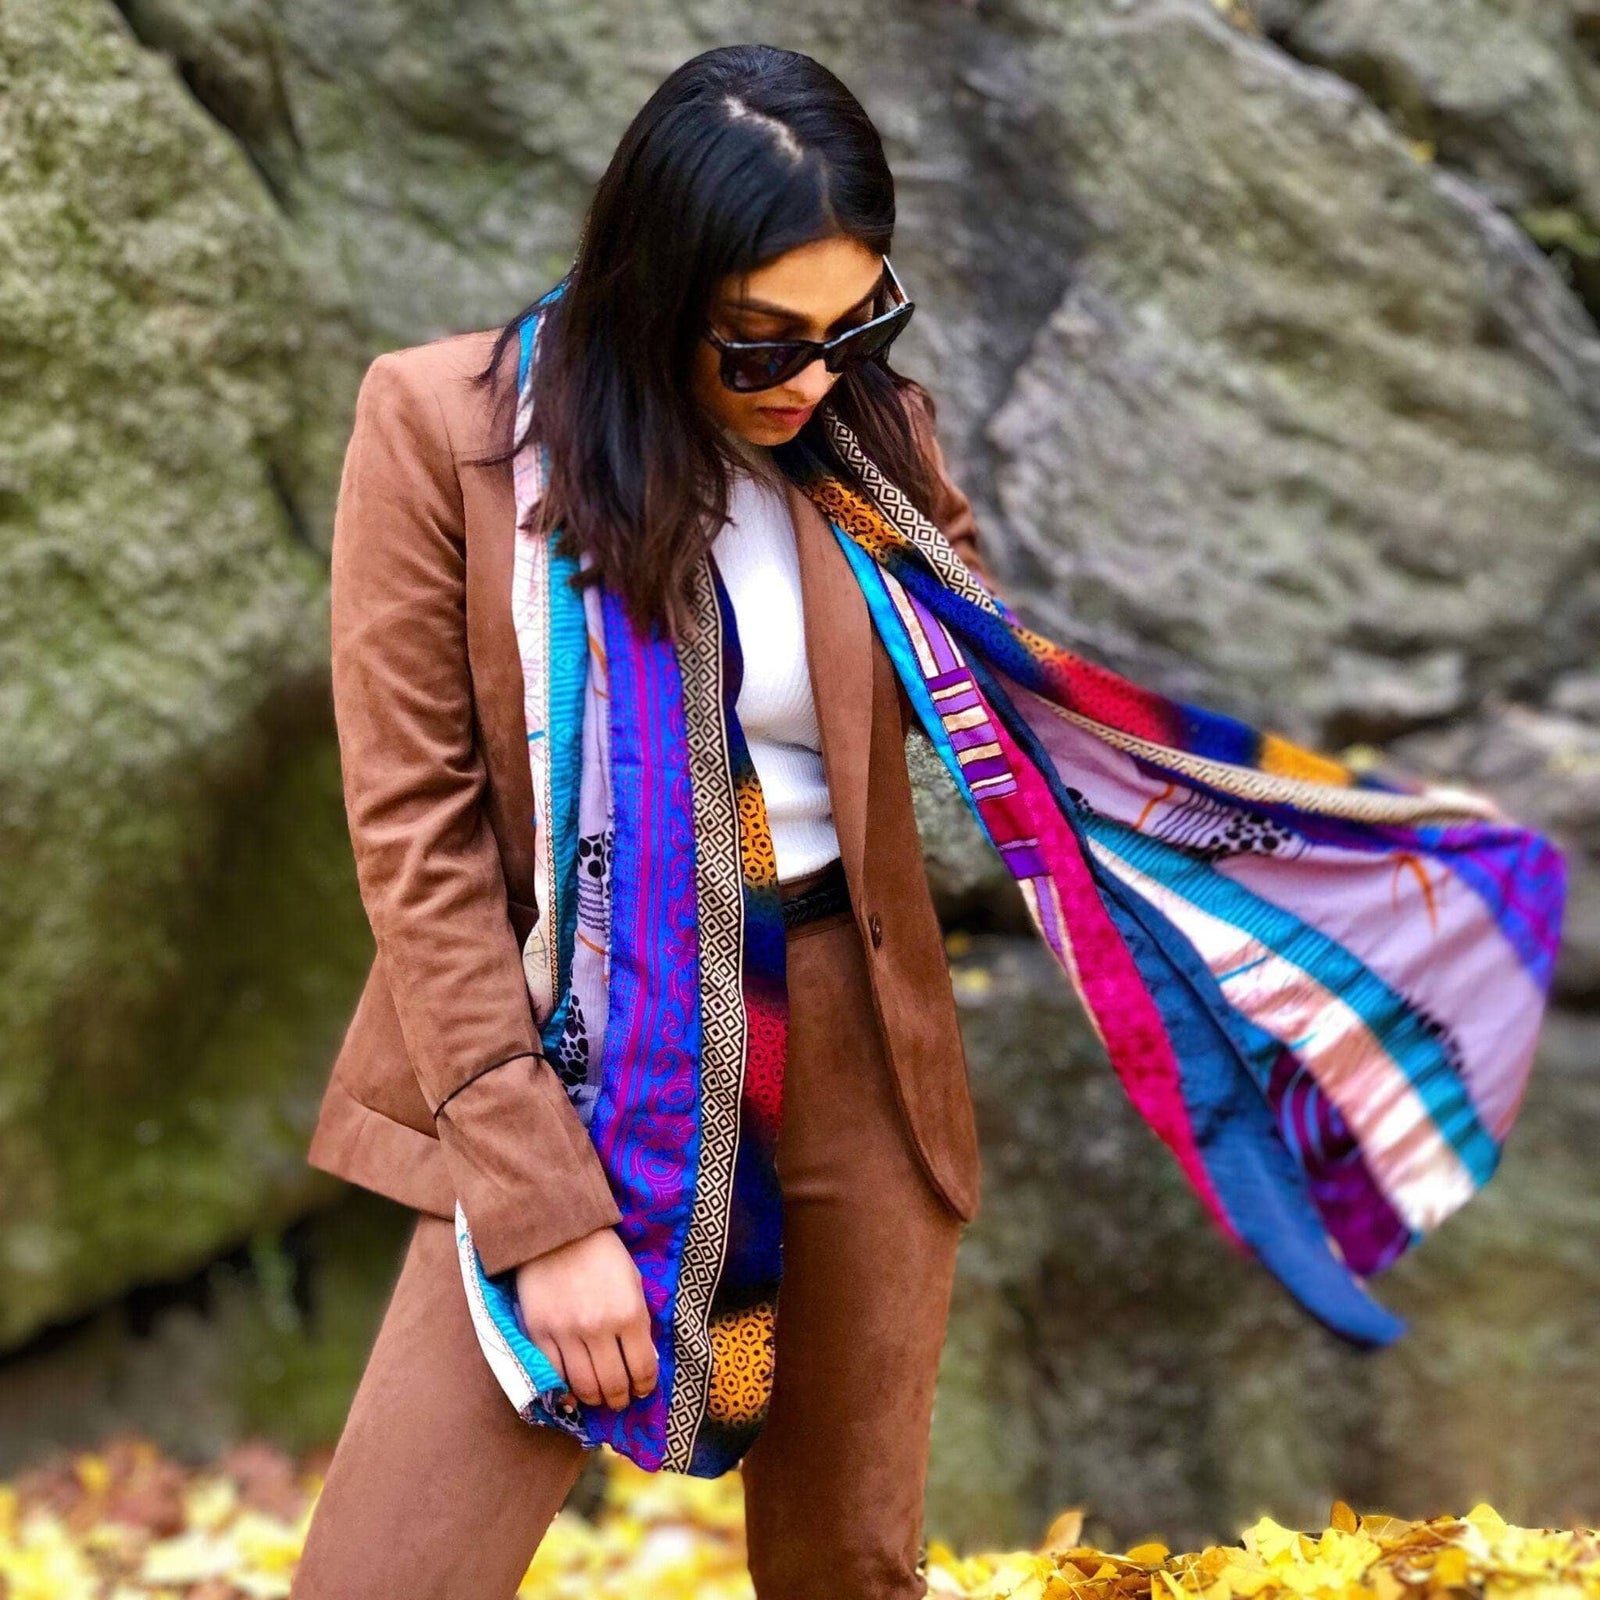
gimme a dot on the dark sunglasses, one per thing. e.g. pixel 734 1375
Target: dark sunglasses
pixel 749 365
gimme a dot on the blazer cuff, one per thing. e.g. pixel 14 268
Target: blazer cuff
pixel 522 1164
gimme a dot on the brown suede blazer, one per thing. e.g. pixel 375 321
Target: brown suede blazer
pixel 439 1089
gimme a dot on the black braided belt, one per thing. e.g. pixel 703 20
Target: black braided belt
pixel 815 894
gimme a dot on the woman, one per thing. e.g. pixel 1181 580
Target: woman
pixel 660 1018
pixel 749 201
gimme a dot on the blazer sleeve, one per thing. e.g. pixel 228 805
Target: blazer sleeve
pixel 952 511
pixel 520 1159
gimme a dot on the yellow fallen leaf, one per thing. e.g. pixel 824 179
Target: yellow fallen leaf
pixel 189 1558
pixel 1385 1586
pixel 93 1473
pixel 1487 1521
pixel 40 1562
pixel 676 1538
pixel 210 1502
pixel 1148 1555
pixel 1064 1533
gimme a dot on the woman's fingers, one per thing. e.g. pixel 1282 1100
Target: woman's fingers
pixel 549 1347
pixel 581 1378
pixel 639 1352
pixel 613 1368
pixel 605 1357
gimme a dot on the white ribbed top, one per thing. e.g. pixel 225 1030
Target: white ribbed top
pixel 755 553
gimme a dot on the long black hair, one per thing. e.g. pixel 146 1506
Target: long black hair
pixel 742 153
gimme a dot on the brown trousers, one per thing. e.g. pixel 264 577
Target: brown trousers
pixel 438 1491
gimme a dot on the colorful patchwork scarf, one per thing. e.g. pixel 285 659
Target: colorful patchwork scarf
pixel 1321 988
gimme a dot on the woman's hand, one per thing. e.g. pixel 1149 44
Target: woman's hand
pixel 583 1305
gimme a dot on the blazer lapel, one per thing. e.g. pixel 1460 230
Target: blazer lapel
pixel 840 658
pixel 496 665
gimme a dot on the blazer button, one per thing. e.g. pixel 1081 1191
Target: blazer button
pixel 875 928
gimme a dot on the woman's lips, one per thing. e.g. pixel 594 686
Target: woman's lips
pixel 791 416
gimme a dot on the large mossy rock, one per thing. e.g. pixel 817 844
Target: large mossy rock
pixel 1506 93
pixel 178 933
pixel 1315 432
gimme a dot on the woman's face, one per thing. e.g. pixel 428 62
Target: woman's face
pixel 814 291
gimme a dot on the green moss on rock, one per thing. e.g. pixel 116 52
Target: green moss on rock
pixel 179 933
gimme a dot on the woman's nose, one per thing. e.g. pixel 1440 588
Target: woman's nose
pixel 811 383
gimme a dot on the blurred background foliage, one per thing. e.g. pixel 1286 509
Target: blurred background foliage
pixel 1264 340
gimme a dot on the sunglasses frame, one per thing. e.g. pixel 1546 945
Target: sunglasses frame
pixel 827 349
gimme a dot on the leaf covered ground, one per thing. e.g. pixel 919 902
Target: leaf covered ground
pixel 127 1523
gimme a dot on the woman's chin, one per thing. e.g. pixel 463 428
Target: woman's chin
pixel 774 434
pixel 749 439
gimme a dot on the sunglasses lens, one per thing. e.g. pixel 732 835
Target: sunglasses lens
pixel 870 343
pixel 749 370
